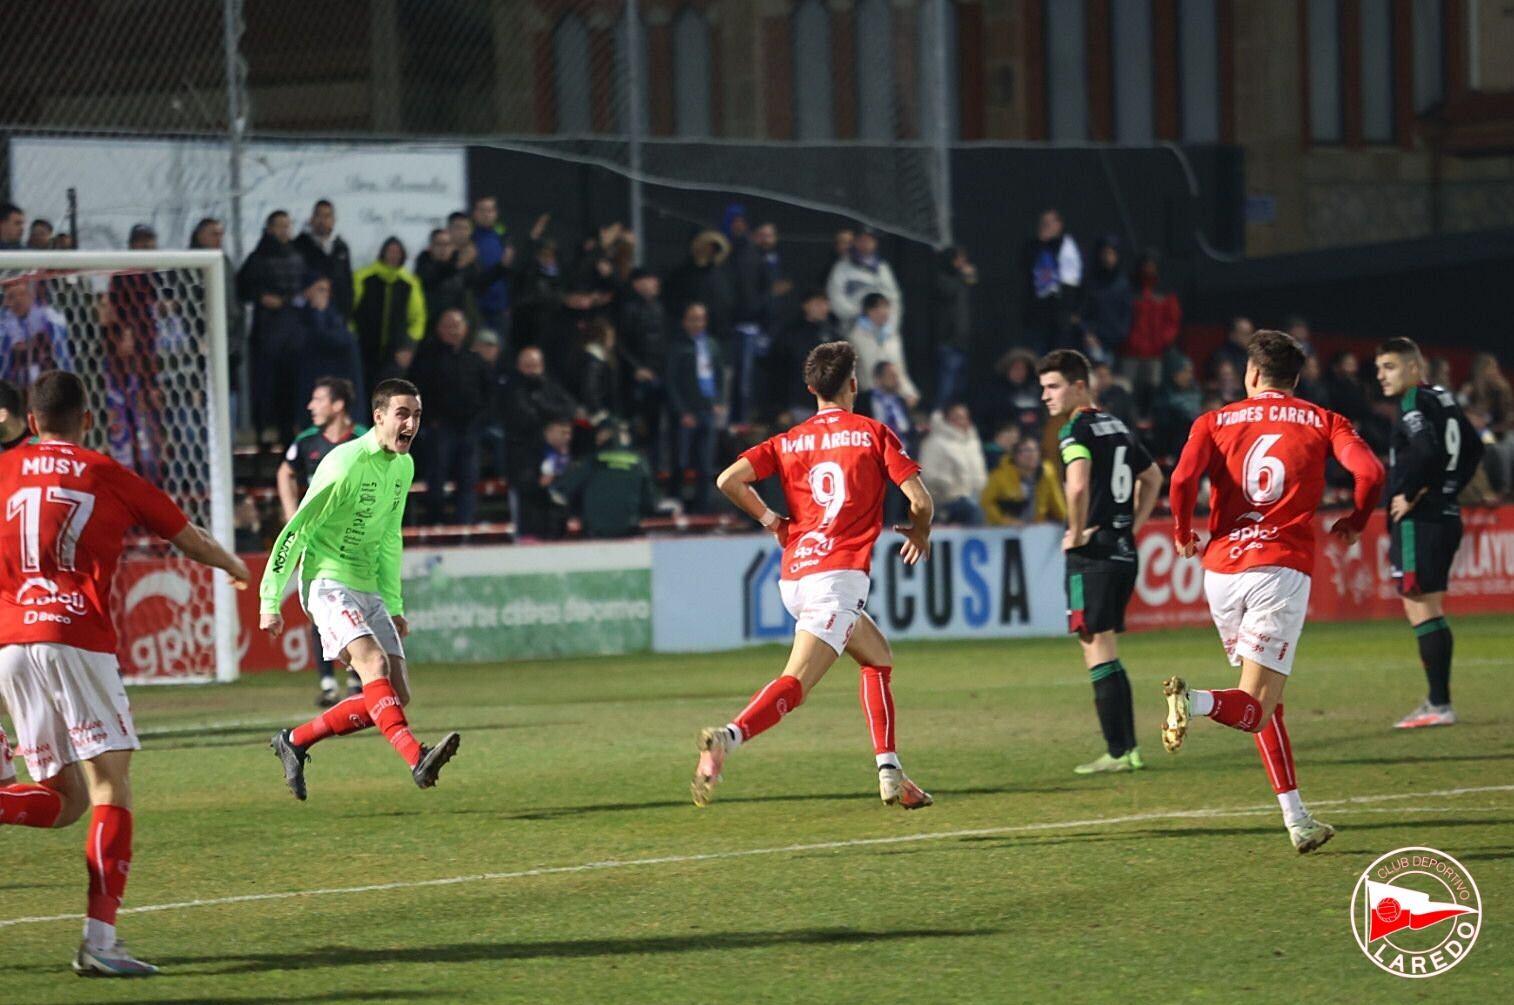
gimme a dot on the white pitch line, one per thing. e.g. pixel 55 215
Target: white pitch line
pixel 558 870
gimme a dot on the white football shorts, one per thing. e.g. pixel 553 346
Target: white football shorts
pixel 827 604
pixel 1259 613
pixel 7 760
pixel 68 705
pixel 342 615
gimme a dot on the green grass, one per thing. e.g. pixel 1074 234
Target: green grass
pixel 581 762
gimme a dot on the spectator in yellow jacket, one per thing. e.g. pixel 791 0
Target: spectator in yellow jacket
pixel 1023 489
pixel 388 310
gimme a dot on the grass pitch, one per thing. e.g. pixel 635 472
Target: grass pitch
pixel 560 858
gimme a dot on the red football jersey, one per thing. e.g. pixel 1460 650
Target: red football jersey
pixel 1265 458
pixel 835 467
pixel 67 511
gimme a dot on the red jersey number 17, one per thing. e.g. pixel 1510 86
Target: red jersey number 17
pixel 27 504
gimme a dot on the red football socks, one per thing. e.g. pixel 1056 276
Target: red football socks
pixel 1277 753
pixel 107 853
pixel 387 714
pixel 29 805
pixel 1236 709
pixel 346 716
pixel 773 702
pixel 878 706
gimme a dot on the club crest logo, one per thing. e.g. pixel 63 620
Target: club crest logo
pixel 1416 912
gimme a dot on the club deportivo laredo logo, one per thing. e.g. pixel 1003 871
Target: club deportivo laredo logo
pixel 1416 912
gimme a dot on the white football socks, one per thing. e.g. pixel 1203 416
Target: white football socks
pixel 1293 807
pixel 889 760
pixel 99 936
pixel 1200 702
pixel 733 735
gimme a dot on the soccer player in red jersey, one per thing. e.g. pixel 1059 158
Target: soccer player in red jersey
pixel 13 433
pixel 67 510
pixel 1265 458
pixel 835 468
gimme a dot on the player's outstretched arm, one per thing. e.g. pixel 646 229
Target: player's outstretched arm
pixel 1148 487
pixel 1183 491
pixel 736 482
pixel 322 495
pixel 199 546
pixel 922 509
pixel 1366 470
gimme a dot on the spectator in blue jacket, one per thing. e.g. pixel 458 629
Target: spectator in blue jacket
pixel 1108 297
pixel 330 348
pixel 697 399
pixel 493 250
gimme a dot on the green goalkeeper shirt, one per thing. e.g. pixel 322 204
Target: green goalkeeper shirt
pixel 348 525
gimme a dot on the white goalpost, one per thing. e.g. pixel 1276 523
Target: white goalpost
pixel 147 332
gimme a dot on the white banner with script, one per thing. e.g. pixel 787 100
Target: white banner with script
pixel 378 190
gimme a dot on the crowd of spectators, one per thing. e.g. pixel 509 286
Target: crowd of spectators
pixel 595 388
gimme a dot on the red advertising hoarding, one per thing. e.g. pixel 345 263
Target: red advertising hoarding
pixel 165 628
pixel 1352 584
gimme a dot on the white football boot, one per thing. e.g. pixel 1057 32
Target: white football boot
pixel 714 744
pixel 1427 715
pixel 1175 726
pixel 113 962
pixel 897 790
pixel 1309 833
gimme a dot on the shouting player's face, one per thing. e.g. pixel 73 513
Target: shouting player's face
pixel 1060 396
pixel 398 423
pixel 1396 374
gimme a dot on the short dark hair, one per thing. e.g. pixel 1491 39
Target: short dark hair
pixel 40 222
pixel 1277 356
pixel 1070 363
pixel 268 221
pixel 873 300
pixel 340 389
pixel 11 399
pixel 322 202
pixel 57 401
pixel 458 214
pixel 814 293
pixel 437 230
pixel 392 387
pixel 828 367
pixel 7 208
pixel 1400 347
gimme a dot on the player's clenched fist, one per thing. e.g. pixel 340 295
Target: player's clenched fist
pixel 239 574
pixel 273 624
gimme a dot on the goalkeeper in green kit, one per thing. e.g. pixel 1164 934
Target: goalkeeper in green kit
pixel 345 537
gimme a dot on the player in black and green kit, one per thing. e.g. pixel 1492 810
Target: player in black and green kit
pixel 1435 453
pixel 330 408
pixel 1112 486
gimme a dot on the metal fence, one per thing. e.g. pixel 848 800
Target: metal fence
pixel 758 97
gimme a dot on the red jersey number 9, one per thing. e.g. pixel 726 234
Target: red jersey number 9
pixel 828 487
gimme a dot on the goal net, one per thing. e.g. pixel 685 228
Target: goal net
pixel 146 330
